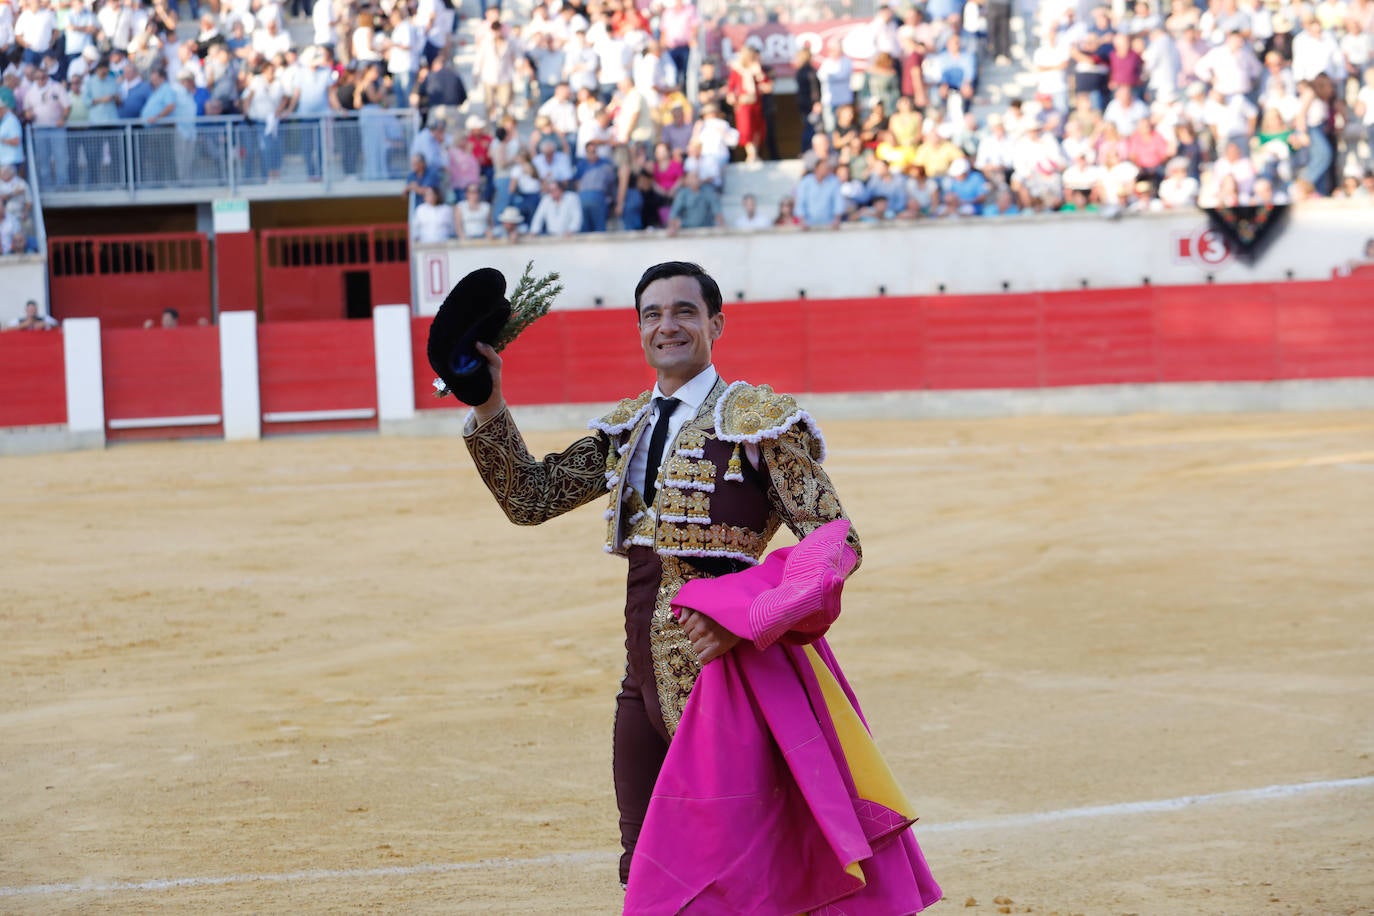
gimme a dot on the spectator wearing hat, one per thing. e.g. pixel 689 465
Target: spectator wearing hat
pixel 966 189
pixel 510 224
pixel 558 212
pixel 11 132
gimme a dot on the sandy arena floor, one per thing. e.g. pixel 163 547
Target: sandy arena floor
pixel 324 675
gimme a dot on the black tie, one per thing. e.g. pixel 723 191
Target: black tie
pixel 665 406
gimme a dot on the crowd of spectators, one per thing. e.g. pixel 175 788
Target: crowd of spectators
pixel 1136 106
pixel 1145 108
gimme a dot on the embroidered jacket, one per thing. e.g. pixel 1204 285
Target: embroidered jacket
pixel 748 462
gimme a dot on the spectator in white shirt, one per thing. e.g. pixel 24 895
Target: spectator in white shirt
pixel 1082 175
pixel 35 29
pixel 561 111
pixel 322 22
pixel 1125 110
pixel 403 48
pixel 1229 119
pixel 1315 52
pixel 1178 190
pixel 996 150
pixel 432 220
pixel 750 218
pixel 558 213
pixel 552 164
pixel 1231 68
pixel 271 40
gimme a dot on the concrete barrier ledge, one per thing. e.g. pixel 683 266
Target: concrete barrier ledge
pixel 38 440
pixel 1088 400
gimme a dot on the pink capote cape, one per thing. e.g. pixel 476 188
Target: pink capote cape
pixel 773 799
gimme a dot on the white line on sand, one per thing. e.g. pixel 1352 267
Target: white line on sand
pixel 586 858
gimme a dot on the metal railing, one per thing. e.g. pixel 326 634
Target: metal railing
pixel 223 153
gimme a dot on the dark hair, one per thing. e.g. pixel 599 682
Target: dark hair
pixel 710 292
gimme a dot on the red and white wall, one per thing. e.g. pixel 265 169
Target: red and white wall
pixel 85 385
pixel 1269 345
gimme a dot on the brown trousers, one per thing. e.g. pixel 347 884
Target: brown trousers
pixel 641 739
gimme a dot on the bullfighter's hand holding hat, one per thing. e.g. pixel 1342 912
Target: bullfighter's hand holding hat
pixel 476 310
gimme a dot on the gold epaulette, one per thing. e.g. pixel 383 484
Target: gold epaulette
pixel 624 416
pixel 750 413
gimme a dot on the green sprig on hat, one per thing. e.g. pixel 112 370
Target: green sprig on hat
pixel 530 301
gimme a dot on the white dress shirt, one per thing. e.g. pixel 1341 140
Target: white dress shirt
pixel 692 395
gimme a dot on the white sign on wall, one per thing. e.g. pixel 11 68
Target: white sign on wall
pixel 230 215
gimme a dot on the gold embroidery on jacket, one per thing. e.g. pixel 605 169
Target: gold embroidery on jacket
pixel 676 665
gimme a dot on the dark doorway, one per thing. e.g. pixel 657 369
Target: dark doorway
pixel 357 294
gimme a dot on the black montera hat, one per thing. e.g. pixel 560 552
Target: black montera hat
pixel 474 310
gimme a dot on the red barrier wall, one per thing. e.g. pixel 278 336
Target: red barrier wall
pixel 317 366
pixel 125 280
pixel 160 372
pixel 304 271
pixel 32 378
pixel 1140 335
